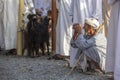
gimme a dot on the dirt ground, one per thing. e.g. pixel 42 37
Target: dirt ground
pixel 25 68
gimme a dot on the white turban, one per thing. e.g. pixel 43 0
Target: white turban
pixel 92 22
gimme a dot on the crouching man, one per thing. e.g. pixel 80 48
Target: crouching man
pixel 91 46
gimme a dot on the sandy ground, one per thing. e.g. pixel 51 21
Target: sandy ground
pixel 25 68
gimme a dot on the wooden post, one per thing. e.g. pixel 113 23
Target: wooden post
pixel 19 33
pixel 54 19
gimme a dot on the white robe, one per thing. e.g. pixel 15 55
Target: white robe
pixel 63 29
pixel 85 9
pixel 10 23
pixel 81 9
pixel 113 51
pixel 106 15
pixel 45 4
pixel 1 23
pixel 28 9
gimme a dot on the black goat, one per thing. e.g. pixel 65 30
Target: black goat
pixel 37 34
pixel 45 34
pixel 33 34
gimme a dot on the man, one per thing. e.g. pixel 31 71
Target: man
pixel 10 23
pixel 91 45
pixel 81 9
pixel 113 50
pixel 63 29
pixel 1 23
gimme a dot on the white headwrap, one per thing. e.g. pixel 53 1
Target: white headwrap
pixel 92 22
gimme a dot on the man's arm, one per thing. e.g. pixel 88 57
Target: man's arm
pixel 78 40
pixel 82 43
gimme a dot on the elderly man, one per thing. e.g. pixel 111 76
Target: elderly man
pixel 80 10
pixel 91 45
pixel 63 29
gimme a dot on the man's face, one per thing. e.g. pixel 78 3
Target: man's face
pixel 89 30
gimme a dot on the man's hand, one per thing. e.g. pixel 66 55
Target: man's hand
pixel 78 29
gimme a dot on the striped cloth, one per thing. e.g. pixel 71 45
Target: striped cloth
pixel 93 47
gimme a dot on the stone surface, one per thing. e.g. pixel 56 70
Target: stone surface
pixel 24 68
